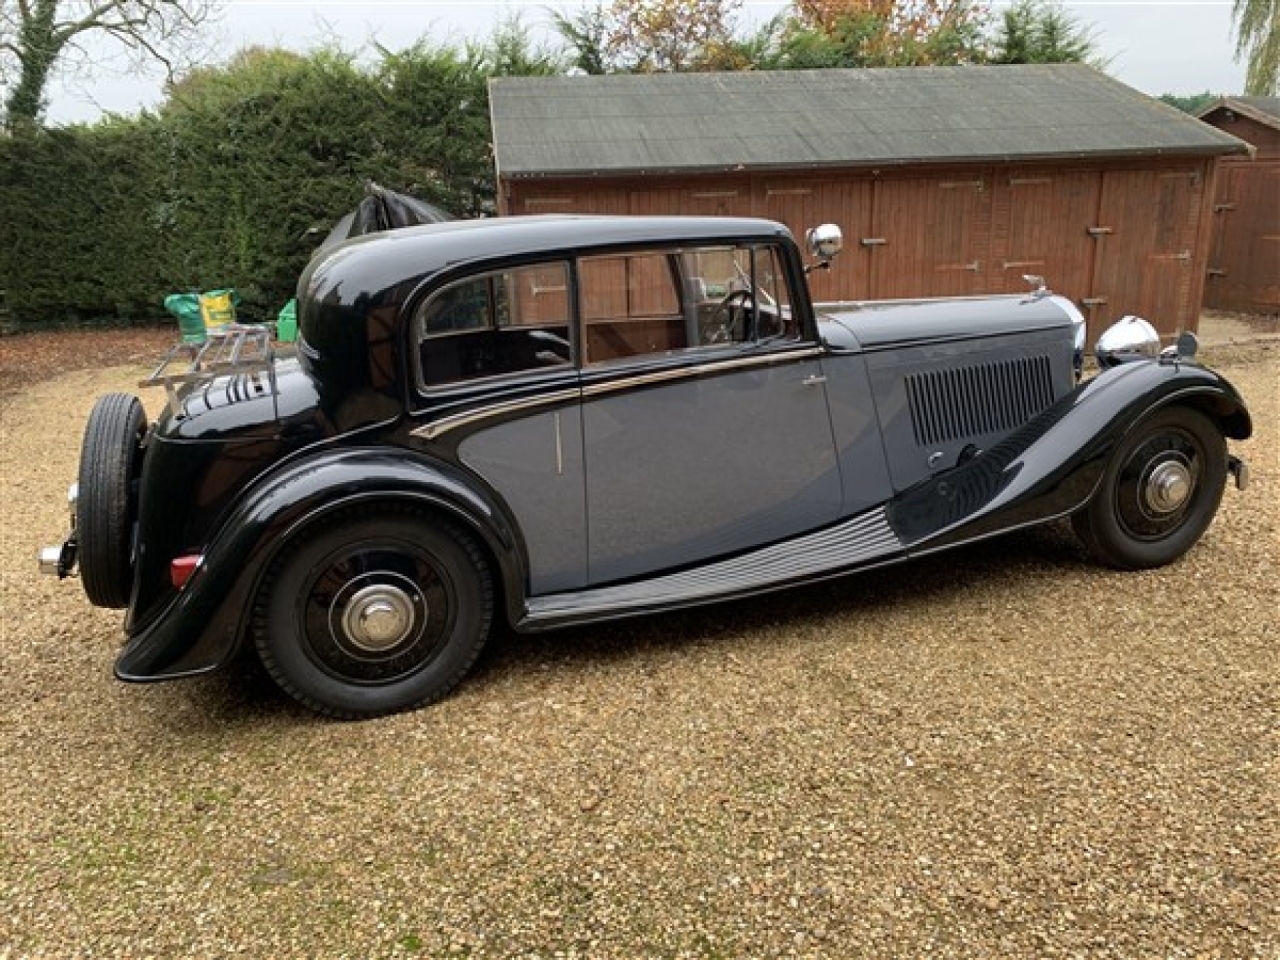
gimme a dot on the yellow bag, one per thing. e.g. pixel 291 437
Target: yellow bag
pixel 218 308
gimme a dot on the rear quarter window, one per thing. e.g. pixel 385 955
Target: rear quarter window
pixel 494 325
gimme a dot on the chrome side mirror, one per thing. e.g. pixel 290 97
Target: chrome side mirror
pixel 825 241
pixel 1183 350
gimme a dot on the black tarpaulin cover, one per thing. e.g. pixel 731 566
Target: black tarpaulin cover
pixel 384 209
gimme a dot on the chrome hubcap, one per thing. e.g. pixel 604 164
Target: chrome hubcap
pixel 378 617
pixel 1168 487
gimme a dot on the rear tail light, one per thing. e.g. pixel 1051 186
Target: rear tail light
pixel 181 568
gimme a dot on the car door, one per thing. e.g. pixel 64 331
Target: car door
pixel 496 365
pixel 704 414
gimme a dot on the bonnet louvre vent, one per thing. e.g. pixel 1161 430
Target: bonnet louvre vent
pixel 972 401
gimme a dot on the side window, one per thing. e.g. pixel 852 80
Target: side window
pixel 500 323
pixel 742 294
pixel 630 305
pixel 659 302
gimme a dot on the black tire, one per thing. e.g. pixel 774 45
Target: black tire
pixel 372 612
pixel 1159 493
pixel 107 507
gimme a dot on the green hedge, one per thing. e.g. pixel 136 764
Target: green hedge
pixel 218 187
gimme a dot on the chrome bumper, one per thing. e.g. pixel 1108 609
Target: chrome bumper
pixel 60 561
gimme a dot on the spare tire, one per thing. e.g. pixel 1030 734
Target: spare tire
pixel 107 507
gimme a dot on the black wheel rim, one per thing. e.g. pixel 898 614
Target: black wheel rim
pixel 374 614
pixel 1159 484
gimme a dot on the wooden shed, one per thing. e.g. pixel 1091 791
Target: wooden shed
pixel 945 180
pixel 1244 256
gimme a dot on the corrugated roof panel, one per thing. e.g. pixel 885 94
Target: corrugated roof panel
pixel 766 120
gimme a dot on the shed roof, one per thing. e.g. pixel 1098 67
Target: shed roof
pixel 669 123
pixel 1265 110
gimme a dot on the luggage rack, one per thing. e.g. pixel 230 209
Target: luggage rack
pixel 239 348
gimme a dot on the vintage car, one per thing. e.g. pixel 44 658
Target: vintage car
pixel 562 420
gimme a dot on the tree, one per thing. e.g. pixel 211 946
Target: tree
pixel 884 33
pixel 1043 31
pixel 39 36
pixel 436 113
pixel 586 32
pixel 1192 104
pixel 653 36
pixel 1257 24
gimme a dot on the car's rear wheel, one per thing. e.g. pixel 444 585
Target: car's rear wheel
pixel 372 612
pixel 1159 493
pixel 107 503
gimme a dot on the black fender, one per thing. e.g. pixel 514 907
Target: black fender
pixel 202 627
pixel 1050 467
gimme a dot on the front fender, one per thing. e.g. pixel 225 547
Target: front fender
pixel 1051 466
pixel 201 628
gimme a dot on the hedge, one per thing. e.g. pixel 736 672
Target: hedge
pixel 220 186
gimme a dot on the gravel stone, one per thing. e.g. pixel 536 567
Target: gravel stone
pixel 1004 751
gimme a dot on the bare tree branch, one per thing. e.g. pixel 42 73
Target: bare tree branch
pixel 39 38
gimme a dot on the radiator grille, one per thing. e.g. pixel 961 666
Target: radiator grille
pixel 972 401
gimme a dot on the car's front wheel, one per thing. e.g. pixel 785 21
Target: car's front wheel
pixel 1159 493
pixel 372 612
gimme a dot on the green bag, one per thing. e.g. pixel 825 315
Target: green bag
pixel 186 308
pixel 287 322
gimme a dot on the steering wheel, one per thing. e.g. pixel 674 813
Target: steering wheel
pixel 729 321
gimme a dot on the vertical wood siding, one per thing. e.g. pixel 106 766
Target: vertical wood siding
pixel 1147 257
pixel 1243 269
pixel 802 204
pixel 1244 264
pixel 1127 237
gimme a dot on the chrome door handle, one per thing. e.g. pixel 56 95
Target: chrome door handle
pixel 814 379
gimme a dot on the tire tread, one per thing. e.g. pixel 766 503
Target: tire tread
pixel 283 677
pixel 104 513
pixel 1098 530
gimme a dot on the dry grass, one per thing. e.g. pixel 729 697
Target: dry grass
pixel 1005 751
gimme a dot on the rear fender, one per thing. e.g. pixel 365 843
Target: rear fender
pixel 204 623
pixel 1050 467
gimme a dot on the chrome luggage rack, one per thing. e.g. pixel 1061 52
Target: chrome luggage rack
pixel 239 348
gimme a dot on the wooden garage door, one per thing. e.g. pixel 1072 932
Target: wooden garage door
pixel 1146 248
pixel 1244 266
pixel 1047 216
pixel 930 237
pixel 846 203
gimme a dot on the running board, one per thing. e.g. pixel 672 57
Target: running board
pixel 865 538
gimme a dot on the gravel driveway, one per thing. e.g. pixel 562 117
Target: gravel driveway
pixel 1003 752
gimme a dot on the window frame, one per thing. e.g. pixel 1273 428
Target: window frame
pixel 491 276
pixel 805 339
pixel 676 255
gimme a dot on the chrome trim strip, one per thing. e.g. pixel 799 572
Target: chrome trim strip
pixel 433 430
pixel 698 370
pixel 843 306
pixel 864 538
pixel 559 449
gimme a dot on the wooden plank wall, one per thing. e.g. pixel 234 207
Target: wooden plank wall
pixel 1121 238
pixel 1244 257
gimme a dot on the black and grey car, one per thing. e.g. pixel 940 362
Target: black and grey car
pixel 565 420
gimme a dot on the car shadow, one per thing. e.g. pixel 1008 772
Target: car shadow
pixel 1000 562
pixel 243 695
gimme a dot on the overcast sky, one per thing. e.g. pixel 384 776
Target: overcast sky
pixel 1157 46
